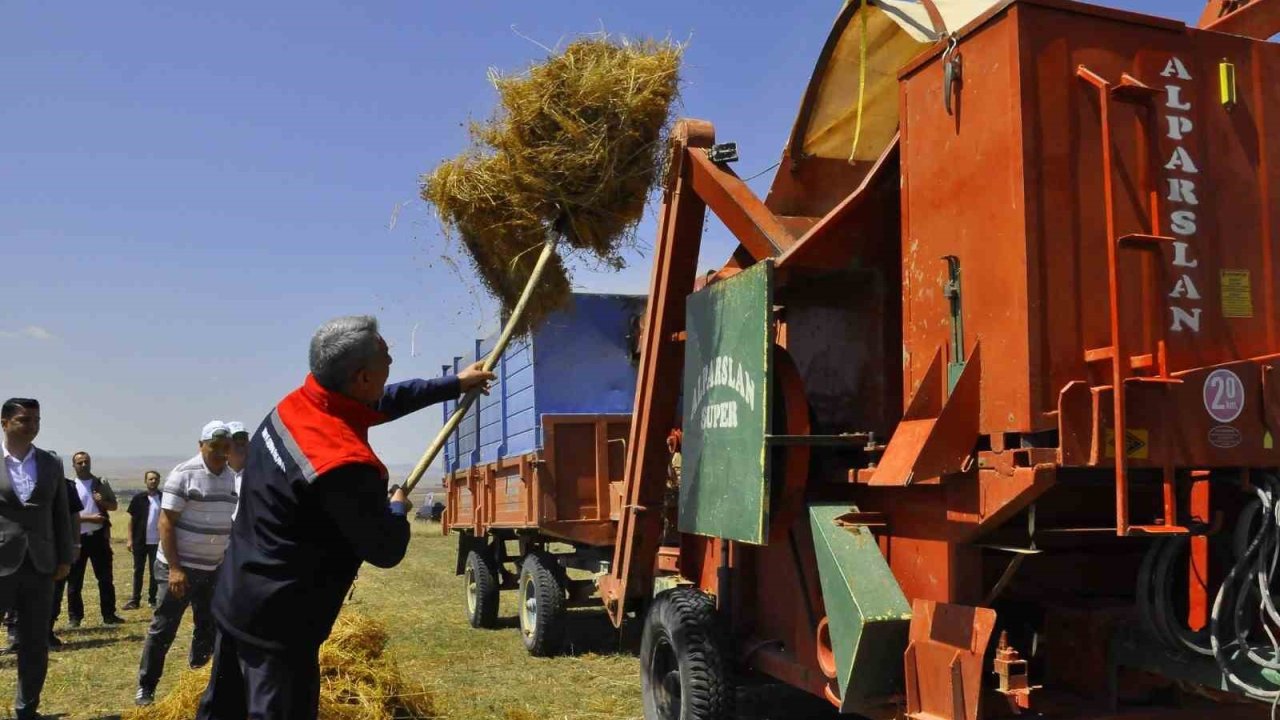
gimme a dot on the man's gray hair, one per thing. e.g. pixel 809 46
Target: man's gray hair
pixel 341 347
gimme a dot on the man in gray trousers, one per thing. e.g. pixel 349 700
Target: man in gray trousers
pixel 35 544
pixel 195 524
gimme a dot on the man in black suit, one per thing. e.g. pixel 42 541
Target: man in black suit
pixel 35 544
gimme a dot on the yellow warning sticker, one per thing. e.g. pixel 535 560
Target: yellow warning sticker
pixel 1136 443
pixel 1237 294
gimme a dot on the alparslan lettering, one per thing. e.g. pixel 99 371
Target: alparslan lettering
pixel 724 371
pixel 1182 192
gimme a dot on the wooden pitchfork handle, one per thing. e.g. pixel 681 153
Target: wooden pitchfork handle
pixel 548 249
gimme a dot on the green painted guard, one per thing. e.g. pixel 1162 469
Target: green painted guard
pixel 724 484
pixel 869 616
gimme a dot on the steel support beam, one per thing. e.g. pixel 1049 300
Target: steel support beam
pixel 660 374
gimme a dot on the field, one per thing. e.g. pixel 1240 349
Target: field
pixel 473 674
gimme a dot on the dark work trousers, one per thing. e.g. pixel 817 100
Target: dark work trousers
pixel 167 618
pixel 59 589
pixel 144 557
pixel 250 682
pixel 11 617
pixel 30 594
pixel 95 548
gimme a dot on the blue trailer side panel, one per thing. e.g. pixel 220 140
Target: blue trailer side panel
pixel 584 356
pixel 522 425
pixel 578 361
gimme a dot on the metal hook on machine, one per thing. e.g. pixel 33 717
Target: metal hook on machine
pixel 951 68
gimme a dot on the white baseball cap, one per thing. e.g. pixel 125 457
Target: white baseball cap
pixel 214 428
pixel 236 427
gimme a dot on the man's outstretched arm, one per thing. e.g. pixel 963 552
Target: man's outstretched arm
pixel 409 396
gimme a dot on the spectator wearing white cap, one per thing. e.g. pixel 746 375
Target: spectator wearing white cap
pixel 198 499
pixel 238 456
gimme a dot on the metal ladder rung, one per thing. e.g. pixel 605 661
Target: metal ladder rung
pixel 1102 354
pixel 1108 353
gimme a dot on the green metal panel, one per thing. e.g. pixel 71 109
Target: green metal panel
pixel 724 485
pixel 868 614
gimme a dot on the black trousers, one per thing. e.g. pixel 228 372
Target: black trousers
pixel 95 549
pixel 167 618
pixel 144 557
pixel 11 617
pixel 59 590
pixel 257 684
pixel 30 594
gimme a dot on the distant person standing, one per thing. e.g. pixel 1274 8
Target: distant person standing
pixel 195 522
pixel 315 507
pixel 95 543
pixel 238 455
pixel 144 538
pixel 35 544
pixel 59 586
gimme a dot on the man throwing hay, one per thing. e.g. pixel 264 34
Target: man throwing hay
pixel 313 507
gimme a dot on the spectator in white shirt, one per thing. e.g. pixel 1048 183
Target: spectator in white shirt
pixel 195 525
pixel 98 500
pixel 144 538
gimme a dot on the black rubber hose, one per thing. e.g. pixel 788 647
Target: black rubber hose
pixel 1176 633
pixel 1215 617
pixel 1146 578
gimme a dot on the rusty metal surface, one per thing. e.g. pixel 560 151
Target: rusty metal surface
pixel 1042 211
pixel 759 231
pixel 944 660
pixel 1063 192
pixel 562 491
pixel 936 436
pixel 1259 19
pixel 658 388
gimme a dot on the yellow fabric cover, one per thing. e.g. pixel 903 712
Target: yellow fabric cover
pixel 873 38
pixel 862 75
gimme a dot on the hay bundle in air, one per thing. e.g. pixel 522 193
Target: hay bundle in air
pixel 575 146
pixel 358 681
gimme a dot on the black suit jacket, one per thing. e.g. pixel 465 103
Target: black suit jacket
pixel 39 529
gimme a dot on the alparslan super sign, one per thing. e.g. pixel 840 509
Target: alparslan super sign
pixel 723 371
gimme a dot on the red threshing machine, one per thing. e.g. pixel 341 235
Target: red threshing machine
pixel 979 420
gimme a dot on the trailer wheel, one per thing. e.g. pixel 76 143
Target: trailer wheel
pixel 542 604
pixel 683 672
pixel 480 578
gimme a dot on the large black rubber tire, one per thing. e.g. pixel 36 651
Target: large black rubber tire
pixel 683 660
pixel 542 622
pixel 480 587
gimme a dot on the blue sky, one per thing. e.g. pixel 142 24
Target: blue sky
pixel 187 191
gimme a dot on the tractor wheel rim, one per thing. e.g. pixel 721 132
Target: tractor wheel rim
pixel 470 580
pixel 528 606
pixel 666 679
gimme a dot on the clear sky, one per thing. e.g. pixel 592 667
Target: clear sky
pixel 188 190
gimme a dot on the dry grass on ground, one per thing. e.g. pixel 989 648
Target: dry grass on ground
pixel 473 674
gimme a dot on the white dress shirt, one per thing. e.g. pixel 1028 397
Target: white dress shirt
pixel 85 489
pixel 22 472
